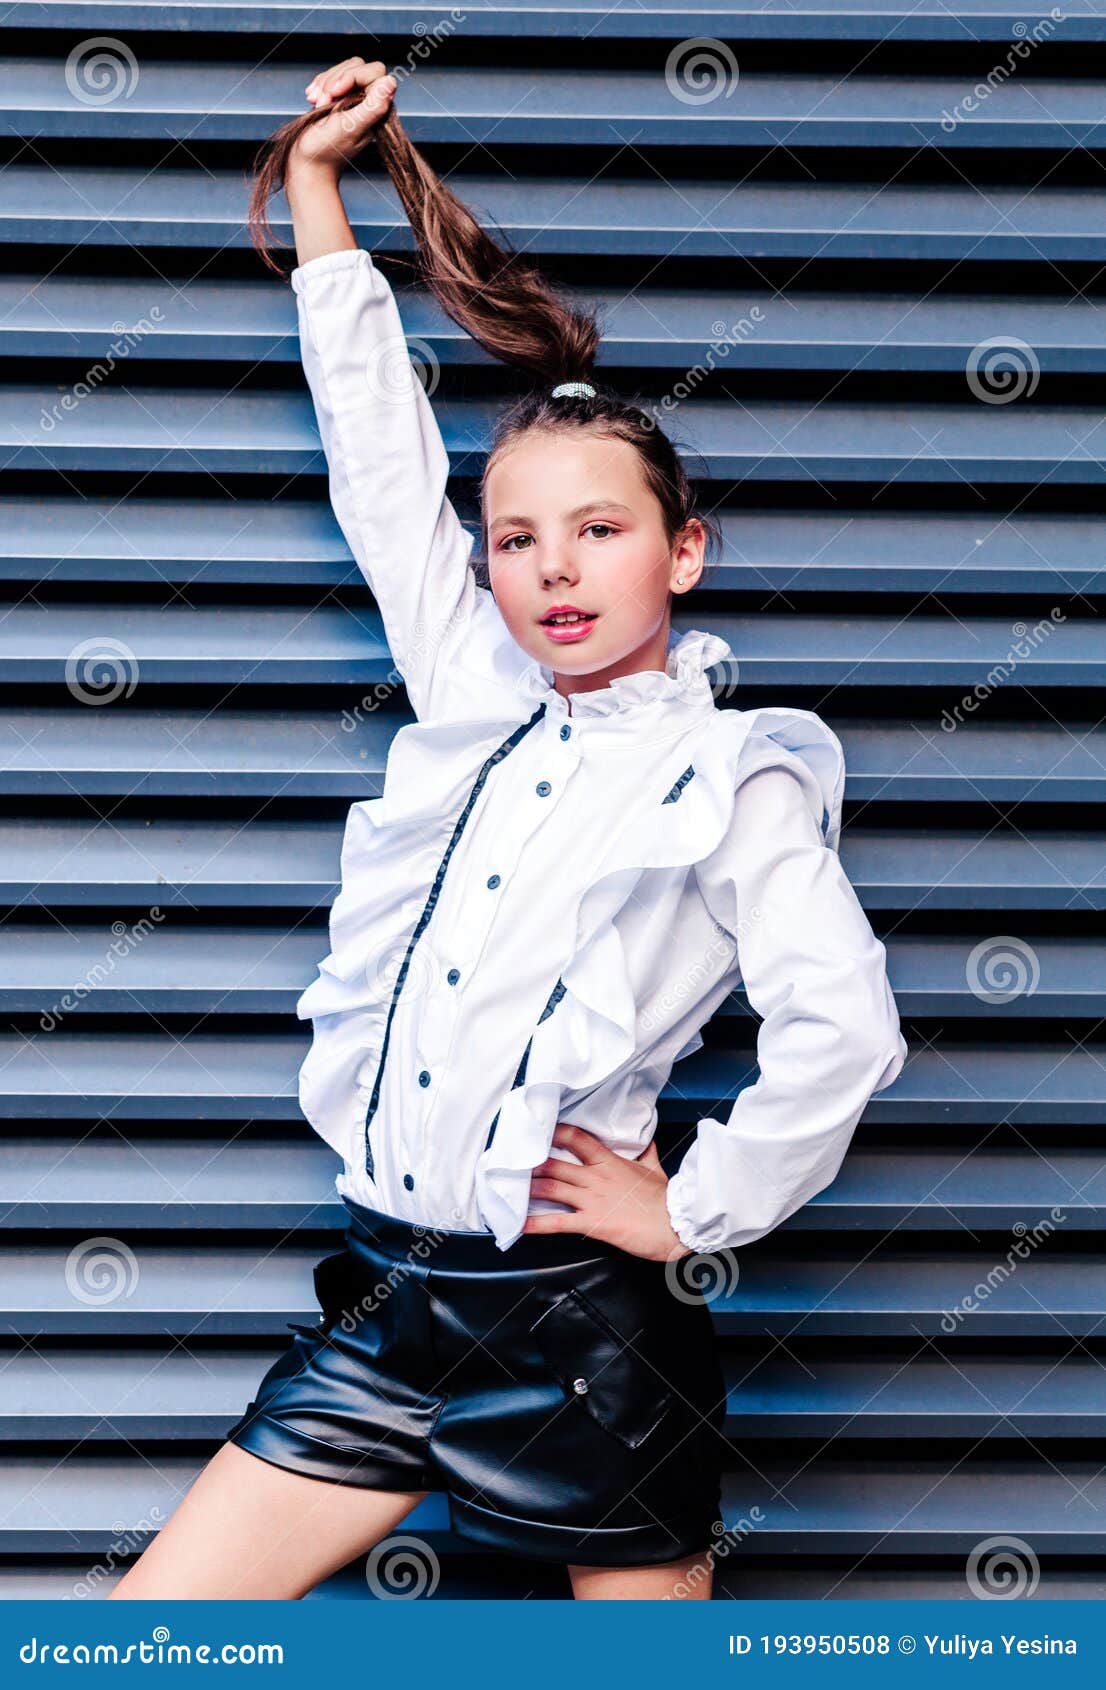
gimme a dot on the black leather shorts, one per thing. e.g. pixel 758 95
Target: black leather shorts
pixel 568 1403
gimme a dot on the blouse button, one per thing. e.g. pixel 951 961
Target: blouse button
pixel 493 882
pixel 543 789
pixel 565 731
pixel 453 976
pixel 424 1078
pixel 579 1386
pixel 409 1182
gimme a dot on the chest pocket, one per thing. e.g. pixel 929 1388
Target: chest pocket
pixel 672 796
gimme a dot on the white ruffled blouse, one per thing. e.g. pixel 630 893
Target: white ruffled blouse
pixel 548 902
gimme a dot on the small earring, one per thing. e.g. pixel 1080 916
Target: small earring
pixel 679 580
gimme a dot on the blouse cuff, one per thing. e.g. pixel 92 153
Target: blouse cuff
pixel 686 1230
pixel 346 258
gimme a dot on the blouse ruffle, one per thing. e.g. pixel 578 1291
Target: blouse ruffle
pixel 690 655
pixel 393 845
pixel 592 1032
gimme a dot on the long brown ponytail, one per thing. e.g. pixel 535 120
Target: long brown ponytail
pixel 503 301
pixel 497 296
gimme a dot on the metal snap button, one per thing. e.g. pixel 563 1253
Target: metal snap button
pixel 579 1386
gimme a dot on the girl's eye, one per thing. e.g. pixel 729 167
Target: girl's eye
pixel 507 545
pixel 592 528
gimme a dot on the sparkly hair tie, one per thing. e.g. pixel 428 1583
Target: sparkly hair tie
pixel 573 390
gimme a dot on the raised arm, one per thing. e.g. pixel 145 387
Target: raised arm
pixel 388 466
pixel 830 1036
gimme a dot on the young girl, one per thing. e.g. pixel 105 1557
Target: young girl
pixel 576 858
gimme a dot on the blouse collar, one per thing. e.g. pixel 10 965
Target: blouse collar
pixel 683 681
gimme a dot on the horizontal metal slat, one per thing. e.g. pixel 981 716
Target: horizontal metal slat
pixel 155 966
pixel 263 1182
pixel 85 1502
pixel 735 329
pixel 224 752
pixel 214 753
pixel 163 1287
pixel 924 1395
pixel 298 543
pixel 104 206
pixel 263 644
pixel 202 541
pixel 213 100
pixel 269 433
pixel 756 20
pixel 71 1075
pixel 851 549
pixel 105 1396
pixel 207 864
pixel 920 1505
pixel 186 861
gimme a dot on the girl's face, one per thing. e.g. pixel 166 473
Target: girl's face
pixel 570 520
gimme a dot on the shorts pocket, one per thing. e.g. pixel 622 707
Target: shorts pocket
pixel 601 1368
pixel 334 1287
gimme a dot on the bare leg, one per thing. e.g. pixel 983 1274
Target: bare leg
pixel 249 1529
pixel 687 1580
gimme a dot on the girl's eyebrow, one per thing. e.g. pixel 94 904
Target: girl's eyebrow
pixel 573 515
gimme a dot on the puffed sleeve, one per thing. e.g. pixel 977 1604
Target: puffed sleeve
pixel 388 470
pixel 815 972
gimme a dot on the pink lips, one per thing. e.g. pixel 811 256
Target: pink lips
pixel 567 632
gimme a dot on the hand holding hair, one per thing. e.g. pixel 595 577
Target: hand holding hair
pixel 334 140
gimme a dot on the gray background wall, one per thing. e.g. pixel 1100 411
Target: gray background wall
pixel 195 687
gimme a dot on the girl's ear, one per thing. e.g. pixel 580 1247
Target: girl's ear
pixel 688 554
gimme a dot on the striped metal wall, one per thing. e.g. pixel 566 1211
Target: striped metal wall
pixel 861 249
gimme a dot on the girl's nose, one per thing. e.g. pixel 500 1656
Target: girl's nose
pixel 558 566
